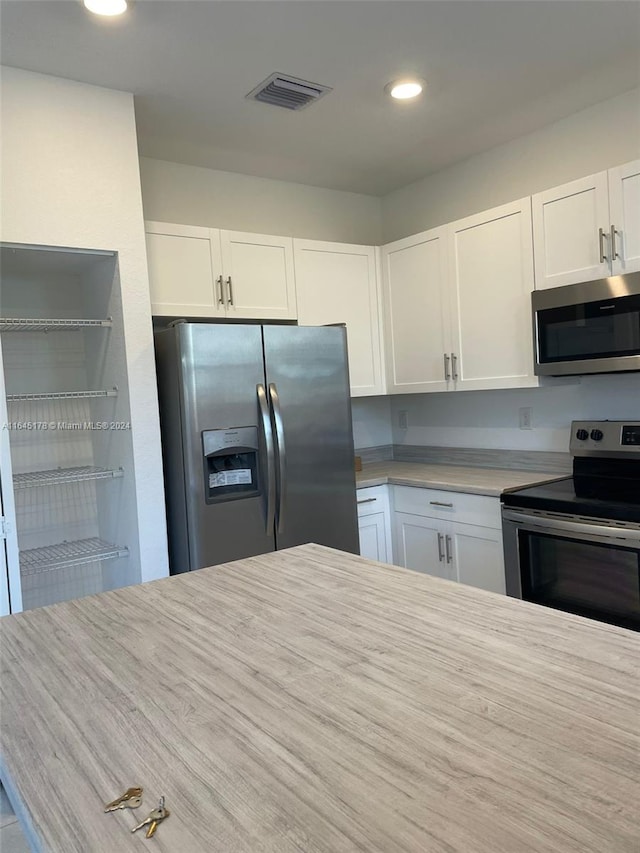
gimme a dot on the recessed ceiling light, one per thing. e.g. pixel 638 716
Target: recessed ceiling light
pixel 108 8
pixel 404 90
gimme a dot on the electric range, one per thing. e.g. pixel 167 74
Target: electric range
pixel 574 543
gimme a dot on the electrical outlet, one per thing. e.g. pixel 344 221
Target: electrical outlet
pixel 403 419
pixel 526 414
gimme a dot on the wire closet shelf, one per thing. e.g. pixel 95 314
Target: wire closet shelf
pixel 31 324
pixel 75 553
pixel 60 476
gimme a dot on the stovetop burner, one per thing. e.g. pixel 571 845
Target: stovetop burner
pixel 606 475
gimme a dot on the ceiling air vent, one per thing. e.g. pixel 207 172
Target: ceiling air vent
pixel 287 92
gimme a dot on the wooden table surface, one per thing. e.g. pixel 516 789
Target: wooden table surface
pixel 313 701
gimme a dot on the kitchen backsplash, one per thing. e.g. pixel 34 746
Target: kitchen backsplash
pixel 490 420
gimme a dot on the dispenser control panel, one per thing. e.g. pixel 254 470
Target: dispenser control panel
pixel 231 463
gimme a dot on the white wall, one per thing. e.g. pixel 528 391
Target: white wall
pixel 591 140
pixel 192 195
pixel 70 177
pixel 588 141
pixel 491 418
pixel 371 421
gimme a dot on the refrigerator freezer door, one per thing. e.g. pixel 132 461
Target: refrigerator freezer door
pixel 221 377
pixel 308 384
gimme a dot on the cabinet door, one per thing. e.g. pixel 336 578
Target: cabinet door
pixel 337 283
pixel 477 555
pixel 10 580
pixel 416 312
pixel 566 228
pixel 374 523
pixel 624 202
pixel 491 274
pixel 371 530
pixel 420 545
pixel 258 276
pixel 184 270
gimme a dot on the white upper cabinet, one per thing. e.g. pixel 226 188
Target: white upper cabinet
pixel 458 304
pixel 588 229
pixel 183 264
pixel 571 226
pixel 258 276
pixel 338 283
pixel 624 213
pixel 204 272
pixel 416 309
pixel 491 279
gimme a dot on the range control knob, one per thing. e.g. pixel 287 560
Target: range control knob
pixel 582 435
pixel 597 434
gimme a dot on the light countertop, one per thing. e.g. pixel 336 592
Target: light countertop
pixel 310 701
pixel 454 478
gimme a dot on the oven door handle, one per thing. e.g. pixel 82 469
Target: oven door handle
pixel 586 528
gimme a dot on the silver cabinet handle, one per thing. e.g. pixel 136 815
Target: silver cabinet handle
pixel 367 501
pixel 454 366
pixel 268 440
pixel 439 503
pixel 614 251
pixel 440 548
pixel 447 540
pixel 229 290
pixel 601 238
pixel 219 288
pixel 446 367
pixel 282 459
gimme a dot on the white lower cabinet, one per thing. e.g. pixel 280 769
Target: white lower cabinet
pixel 451 535
pixel 420 545
pixel 374 523
pixel 476 554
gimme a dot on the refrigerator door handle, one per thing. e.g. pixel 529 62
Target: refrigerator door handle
pixel 282 468
pixel 268 440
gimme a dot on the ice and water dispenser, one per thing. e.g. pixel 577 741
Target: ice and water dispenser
pixel 230 463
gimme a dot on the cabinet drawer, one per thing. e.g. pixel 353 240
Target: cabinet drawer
pixel 372 499
pixel 451 506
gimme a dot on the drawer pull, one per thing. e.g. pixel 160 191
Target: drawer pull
pixel 438 503
pixel 367 501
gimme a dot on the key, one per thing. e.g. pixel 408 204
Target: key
pixel 126 801
pixel 154 818
pixel 131 803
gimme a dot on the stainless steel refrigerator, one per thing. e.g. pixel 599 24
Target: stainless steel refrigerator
pixel 257 440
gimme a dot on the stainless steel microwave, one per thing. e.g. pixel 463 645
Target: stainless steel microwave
pixel 593 327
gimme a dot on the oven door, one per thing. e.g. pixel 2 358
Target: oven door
pixel 583 566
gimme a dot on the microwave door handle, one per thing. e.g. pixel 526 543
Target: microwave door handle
pixel 584 528
pixel 268 441
pixel 282 457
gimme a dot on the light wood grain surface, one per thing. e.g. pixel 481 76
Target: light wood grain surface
pixel 453 478
pixel 313 701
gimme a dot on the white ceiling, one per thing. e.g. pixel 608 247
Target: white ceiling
pixel 496 69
